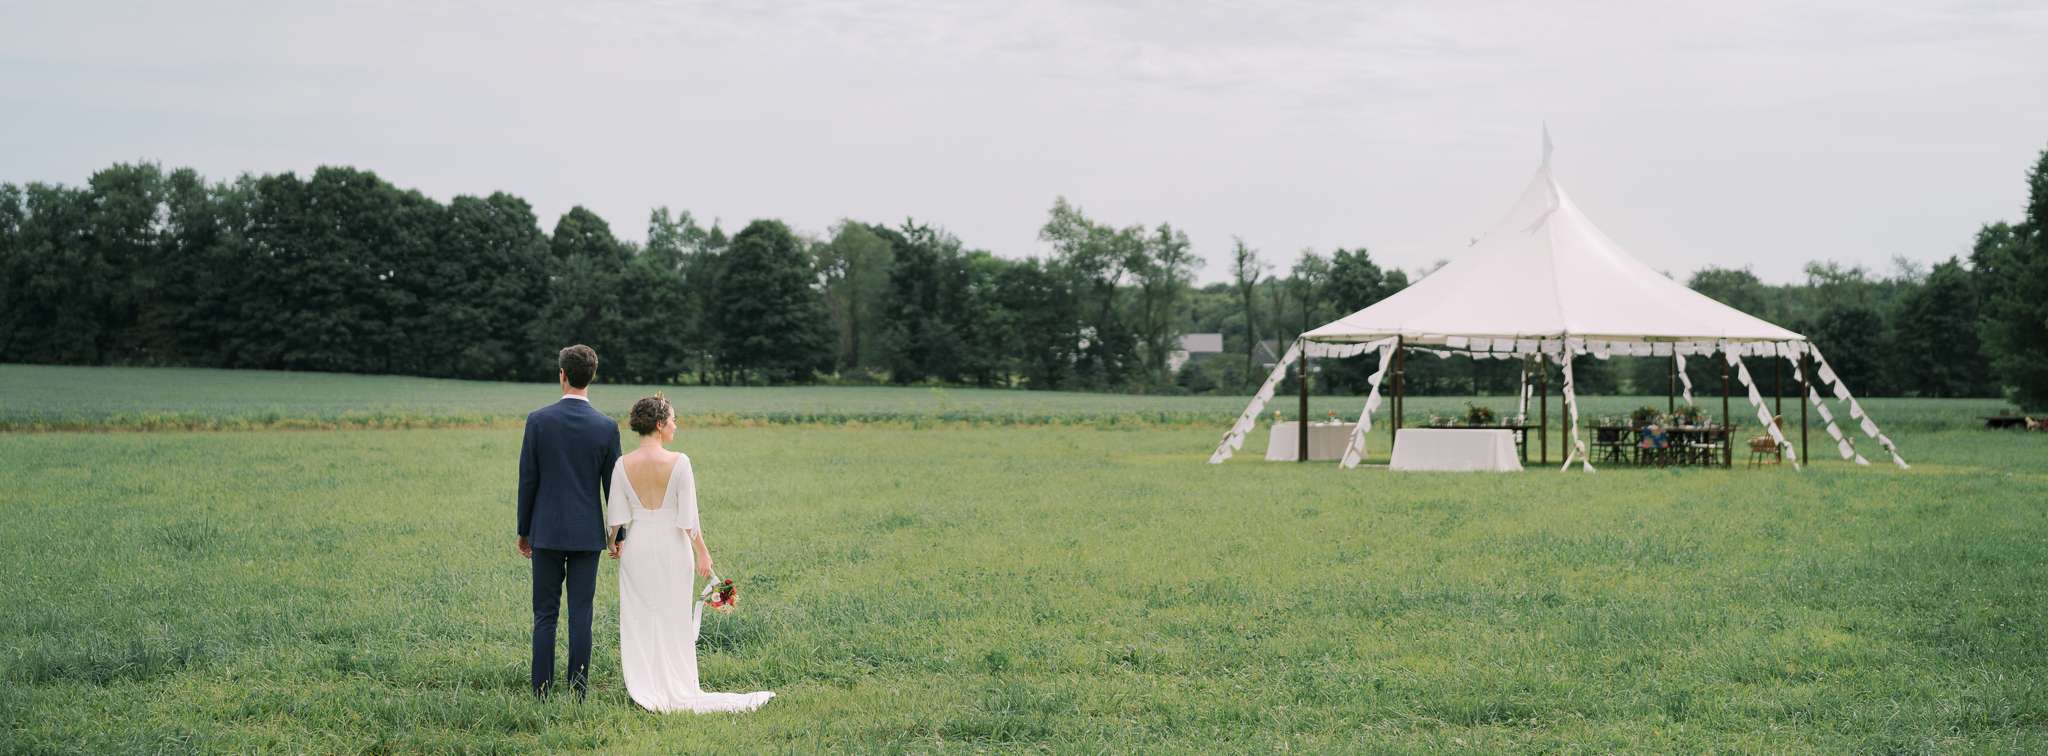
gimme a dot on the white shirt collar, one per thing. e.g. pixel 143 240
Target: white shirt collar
pixel 583 399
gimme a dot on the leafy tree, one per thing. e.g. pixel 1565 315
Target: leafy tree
pixel 926 302
pixel 1937 334
pixel 1096 259
pixel 57 284
pixel 202 263
pixel 490 265
pixel 1737 288
pixel 984 343
pixel 1037 311
pixel 1162 275
pixel 1245 270
pixel 586 303
pixel 124 219
pixel 582 233
pixel 13 272
pixel 2012 263
pixel 855 265
pixel 770 320
pixel 668 321
pixel 1852 337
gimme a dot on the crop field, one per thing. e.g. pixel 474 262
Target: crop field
pixel 69 398
pixel 1051 572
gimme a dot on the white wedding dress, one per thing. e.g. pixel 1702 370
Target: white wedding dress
pixel 658 607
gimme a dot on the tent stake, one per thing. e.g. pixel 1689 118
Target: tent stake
pixel 1301 428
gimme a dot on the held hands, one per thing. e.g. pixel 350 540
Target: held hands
pixel 615 547
pixel 525 548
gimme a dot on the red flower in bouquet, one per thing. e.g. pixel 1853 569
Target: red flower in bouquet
pixel 721 595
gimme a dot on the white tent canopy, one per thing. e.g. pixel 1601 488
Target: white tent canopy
pixel 1545 271
pixel 1544 283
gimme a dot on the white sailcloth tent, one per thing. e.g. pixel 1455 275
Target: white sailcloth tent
pixel 1546 285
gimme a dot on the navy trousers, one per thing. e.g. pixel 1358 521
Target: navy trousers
pixel 551 569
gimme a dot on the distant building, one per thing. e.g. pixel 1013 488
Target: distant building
pixel 1193 344
pixel 1267 353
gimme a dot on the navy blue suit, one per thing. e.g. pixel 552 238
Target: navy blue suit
pixel 565 467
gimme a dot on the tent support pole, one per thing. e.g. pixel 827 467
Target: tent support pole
pixel 1671 385
pixel 1301 438
pixel 1778 387
pixel 1543 410
pixel 1400 392
pixel 1804 378
pixel 1727 422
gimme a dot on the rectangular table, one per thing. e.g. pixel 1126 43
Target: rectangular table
pixel 1325 441
pixel 1455 449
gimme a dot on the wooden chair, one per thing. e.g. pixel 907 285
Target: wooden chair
pixel 1610 444
pixel 1705 447
pixel 1764 447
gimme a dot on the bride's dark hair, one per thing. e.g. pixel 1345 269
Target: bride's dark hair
pixel 648 413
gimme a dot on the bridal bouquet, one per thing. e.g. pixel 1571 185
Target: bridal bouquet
pixel 720 594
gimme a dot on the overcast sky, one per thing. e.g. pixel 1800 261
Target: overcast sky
pixel 1726 133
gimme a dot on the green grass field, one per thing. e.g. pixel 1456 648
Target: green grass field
pixel 1064 586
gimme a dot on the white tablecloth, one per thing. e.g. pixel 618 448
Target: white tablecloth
pixel 1325 441
pixel 1455 450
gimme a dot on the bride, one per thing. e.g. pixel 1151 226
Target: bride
pixel 654 490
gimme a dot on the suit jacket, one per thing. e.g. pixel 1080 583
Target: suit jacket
pixel 565 467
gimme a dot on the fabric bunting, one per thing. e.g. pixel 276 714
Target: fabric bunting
pixel 1354 449
pixel 1684 380
pixel 1763 413
pixel 1234 438
pixel 1868 427
pixel 1571 406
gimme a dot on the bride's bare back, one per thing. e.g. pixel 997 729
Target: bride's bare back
pixel 648 470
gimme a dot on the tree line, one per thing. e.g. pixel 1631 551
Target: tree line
pixel 342 271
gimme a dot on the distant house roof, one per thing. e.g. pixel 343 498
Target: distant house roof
pixel 1268 352
pixel 1202 343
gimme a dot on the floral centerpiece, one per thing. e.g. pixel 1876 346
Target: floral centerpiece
pixel 1643 415
pixel 1691 414
pixel 1478 414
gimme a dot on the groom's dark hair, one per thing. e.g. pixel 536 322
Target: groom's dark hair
pixel 579 364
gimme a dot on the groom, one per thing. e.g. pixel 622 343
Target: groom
pixel 564 474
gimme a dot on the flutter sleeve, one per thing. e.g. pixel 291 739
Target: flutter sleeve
pixel 616 510
pixel 686 495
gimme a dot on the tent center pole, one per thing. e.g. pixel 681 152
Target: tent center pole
pixel 1400 392
pixel 1301 427
pixel 1543 409
pixel 1778 387
pixel 1727 422
pixel 1804 378
pixel 1671 385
